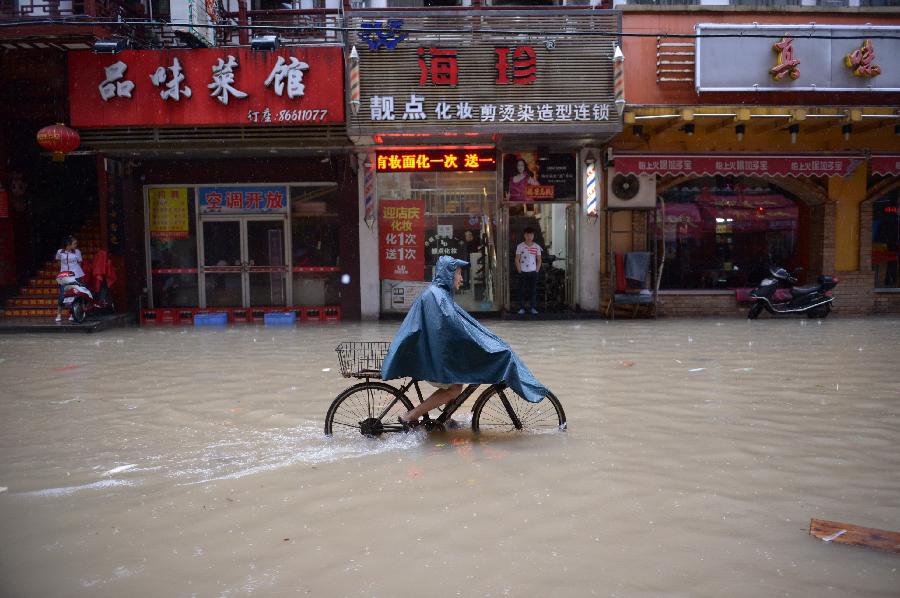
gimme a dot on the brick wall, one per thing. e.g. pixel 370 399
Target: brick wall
pixel 700 305
pixel 886 303
pixel 853 294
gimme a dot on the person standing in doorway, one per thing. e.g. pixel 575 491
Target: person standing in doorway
pixel 528 264
pixel 69 258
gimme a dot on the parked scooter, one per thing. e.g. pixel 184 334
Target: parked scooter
pixel 78 298
pixel 778 295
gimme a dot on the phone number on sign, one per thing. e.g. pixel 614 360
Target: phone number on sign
pixel 301 115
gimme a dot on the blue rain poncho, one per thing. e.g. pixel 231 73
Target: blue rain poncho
pixel 439 341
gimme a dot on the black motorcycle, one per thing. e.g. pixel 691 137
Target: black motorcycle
pixel 778 295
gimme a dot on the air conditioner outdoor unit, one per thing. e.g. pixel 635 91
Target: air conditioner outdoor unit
pixel 631 191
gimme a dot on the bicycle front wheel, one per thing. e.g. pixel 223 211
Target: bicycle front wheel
pixel 500 409
pixel 364 409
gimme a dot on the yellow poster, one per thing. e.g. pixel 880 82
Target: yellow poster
pixel 169 213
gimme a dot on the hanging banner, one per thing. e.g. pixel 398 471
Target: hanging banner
pixel 169 216
pixel 742 165
pixel 885 165
pixel 207 86
pixel 243 200
pixel 401 231
pixel 531 176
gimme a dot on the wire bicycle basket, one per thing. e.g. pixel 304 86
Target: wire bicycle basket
pixel 362 359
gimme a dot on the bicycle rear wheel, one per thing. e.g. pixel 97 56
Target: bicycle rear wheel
pixel 500 409
pixel 364 408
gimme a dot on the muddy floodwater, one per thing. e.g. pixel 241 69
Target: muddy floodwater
pixel 179 462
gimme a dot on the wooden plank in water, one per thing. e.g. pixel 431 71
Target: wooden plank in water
pixel 847 533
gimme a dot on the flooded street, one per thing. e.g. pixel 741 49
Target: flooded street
pixel 179 462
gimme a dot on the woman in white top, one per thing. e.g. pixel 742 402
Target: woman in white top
pixel 69 258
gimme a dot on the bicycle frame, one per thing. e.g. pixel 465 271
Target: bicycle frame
pixel 450 408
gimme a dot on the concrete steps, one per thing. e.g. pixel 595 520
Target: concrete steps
pixel 38 298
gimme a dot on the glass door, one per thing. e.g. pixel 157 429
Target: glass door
pixel 266 268
pixel 244 262
pixel 221 282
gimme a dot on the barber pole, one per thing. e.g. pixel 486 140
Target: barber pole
pixel 369 189
pixel 590 186
pixel 619 79
pixel 354 80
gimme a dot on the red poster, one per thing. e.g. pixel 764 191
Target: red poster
pixel 401 227
pixel 208 86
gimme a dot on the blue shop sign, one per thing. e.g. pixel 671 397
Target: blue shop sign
pixel 244 200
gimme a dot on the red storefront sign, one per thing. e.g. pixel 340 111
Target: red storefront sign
pixel 885 165
pixel 746 165
pixel 209 86
pixel 401 227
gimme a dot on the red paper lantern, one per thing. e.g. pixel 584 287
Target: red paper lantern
pixel 58 139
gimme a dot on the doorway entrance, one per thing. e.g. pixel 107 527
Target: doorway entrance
pixel 554 231
pixel 244 262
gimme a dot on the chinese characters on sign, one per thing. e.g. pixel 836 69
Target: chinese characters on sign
pixel 173 89
pixel 745 165
pixel 223 81
pixel 168 213
pixel 437 161
pixel 289 87
pixel 401 231
pixel 523 66
pixel 112 86
pixel 439 66
pixel 293 72
pixel 860 61
pixel 785 63
pixel 382 109
pixel 233 200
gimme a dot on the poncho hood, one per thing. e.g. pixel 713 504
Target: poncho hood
pixel 439 341
pixel 445 270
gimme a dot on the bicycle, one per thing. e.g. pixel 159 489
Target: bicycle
pixel 372 407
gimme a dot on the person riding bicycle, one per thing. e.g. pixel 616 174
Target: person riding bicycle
pixel 440 342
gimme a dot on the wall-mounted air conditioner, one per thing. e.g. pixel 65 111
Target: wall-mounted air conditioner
pixel 631 191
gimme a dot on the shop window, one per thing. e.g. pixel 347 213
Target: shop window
pixel 173 247
pixel 725 232
pixel 886 240
pixel 314 245
pixel 424 215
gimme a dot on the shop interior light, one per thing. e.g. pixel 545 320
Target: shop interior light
pixel 637 130
pixel 112 45
pixel 794 130
pixel 846 130
pixel 739 131
pixel 688 129
pixel 265 42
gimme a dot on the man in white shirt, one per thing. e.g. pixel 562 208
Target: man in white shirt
pixel 528 264
pixel 69 258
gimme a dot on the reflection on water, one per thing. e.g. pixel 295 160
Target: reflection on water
pixel 170 461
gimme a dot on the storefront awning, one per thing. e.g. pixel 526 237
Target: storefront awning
pixel 737 164
pixel 885 165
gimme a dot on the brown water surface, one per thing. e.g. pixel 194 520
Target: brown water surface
pixel 180 462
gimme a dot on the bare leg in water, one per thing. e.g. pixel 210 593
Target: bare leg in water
pixel 441 396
